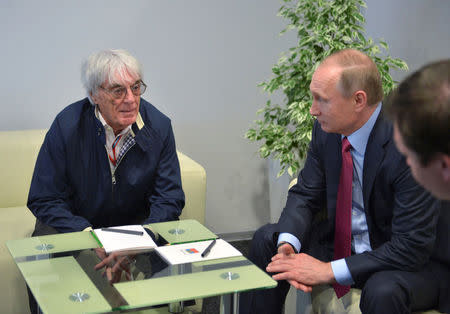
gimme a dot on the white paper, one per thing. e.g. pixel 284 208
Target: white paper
pixel 114 241
pixel 191 252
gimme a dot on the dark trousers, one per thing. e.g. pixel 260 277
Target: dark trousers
pixel 384 292
pixel 265 301
pixel 40 229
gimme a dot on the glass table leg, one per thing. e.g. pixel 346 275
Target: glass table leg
pixel 229 303
pixel 177 307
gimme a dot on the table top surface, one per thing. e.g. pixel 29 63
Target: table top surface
pixel 59 269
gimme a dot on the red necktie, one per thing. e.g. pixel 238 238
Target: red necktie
pixel 113 158
pixel 343 226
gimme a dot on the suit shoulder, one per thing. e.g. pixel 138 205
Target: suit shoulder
pixel 69 118
pixel 383 134
pixel 154 118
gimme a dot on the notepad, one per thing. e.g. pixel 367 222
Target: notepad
pixel 116 242
pixel 191 252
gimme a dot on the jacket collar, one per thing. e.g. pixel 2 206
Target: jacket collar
pixel 99 124
pixel 380 136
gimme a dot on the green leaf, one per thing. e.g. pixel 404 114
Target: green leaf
pixel 361 37
pixel 359 17
pixel 384 45
pixel 400 64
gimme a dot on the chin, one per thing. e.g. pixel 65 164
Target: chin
pixel 127 122
pixel 326 128
pixel 128 118
pixel 439 192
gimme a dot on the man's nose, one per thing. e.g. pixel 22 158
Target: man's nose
pixel 314 110
pixel 129 96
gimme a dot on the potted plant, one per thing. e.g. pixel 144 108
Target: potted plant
pixel 322 27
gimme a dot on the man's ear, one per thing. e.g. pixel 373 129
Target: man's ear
pixel 446 167
pixel 360 98
pixel 94 98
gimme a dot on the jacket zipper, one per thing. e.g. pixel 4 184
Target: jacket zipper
pixel 113 177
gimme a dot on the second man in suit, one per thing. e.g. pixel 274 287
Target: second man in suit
pixel 420 110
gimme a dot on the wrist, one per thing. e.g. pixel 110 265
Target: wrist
pixel 329 274
pixel 283 243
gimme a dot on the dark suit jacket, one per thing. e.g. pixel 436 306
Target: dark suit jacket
pixel 440 258
pixel 401 216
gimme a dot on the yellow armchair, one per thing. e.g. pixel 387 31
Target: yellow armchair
pixel 18 153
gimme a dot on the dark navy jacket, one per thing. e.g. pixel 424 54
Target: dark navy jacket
pixel 72 186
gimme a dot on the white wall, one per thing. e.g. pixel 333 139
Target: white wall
pixel 418 31
pixel 202 61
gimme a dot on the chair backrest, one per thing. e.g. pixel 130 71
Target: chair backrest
pixel 18 153
pixel 193 179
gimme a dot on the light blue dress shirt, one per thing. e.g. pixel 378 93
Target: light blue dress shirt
pixel 360 233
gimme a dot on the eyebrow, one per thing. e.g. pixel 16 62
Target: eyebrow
pixel 314 93
pixel 118 85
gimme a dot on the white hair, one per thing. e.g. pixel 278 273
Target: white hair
pixel 106 66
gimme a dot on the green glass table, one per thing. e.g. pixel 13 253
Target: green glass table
pixel 59 270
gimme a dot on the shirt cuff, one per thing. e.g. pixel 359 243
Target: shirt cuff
pixel 291 239
pixel 341 272
pixel 88 229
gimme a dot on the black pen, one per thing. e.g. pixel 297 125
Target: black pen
pixel 208 249
pixel 123 231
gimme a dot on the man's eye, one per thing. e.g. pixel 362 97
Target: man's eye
pixel 321 100
pixel 135 87
pixel 118 91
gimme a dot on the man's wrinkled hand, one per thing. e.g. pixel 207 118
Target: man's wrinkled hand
pixel 301 270
pixel 286 249
pixel 100 252
pixel 115 264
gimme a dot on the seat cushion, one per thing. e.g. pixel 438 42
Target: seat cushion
pixel 324 300
pixel 17 223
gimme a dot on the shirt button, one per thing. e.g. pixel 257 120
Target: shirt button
pixel 354 212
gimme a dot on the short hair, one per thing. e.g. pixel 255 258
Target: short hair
pixel 420 107
pixel 359 72
pixel 104 65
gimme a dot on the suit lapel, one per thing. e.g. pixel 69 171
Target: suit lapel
pixel 375 151
pixel 334 163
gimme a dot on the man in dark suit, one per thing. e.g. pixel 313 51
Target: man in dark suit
pixel 420 109
pixel 356 217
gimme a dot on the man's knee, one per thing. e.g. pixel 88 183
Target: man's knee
pixel 383 285
pixel 263 239
pixel 263 246
pixel 264 236
pixel 384 291
pixel 41 229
